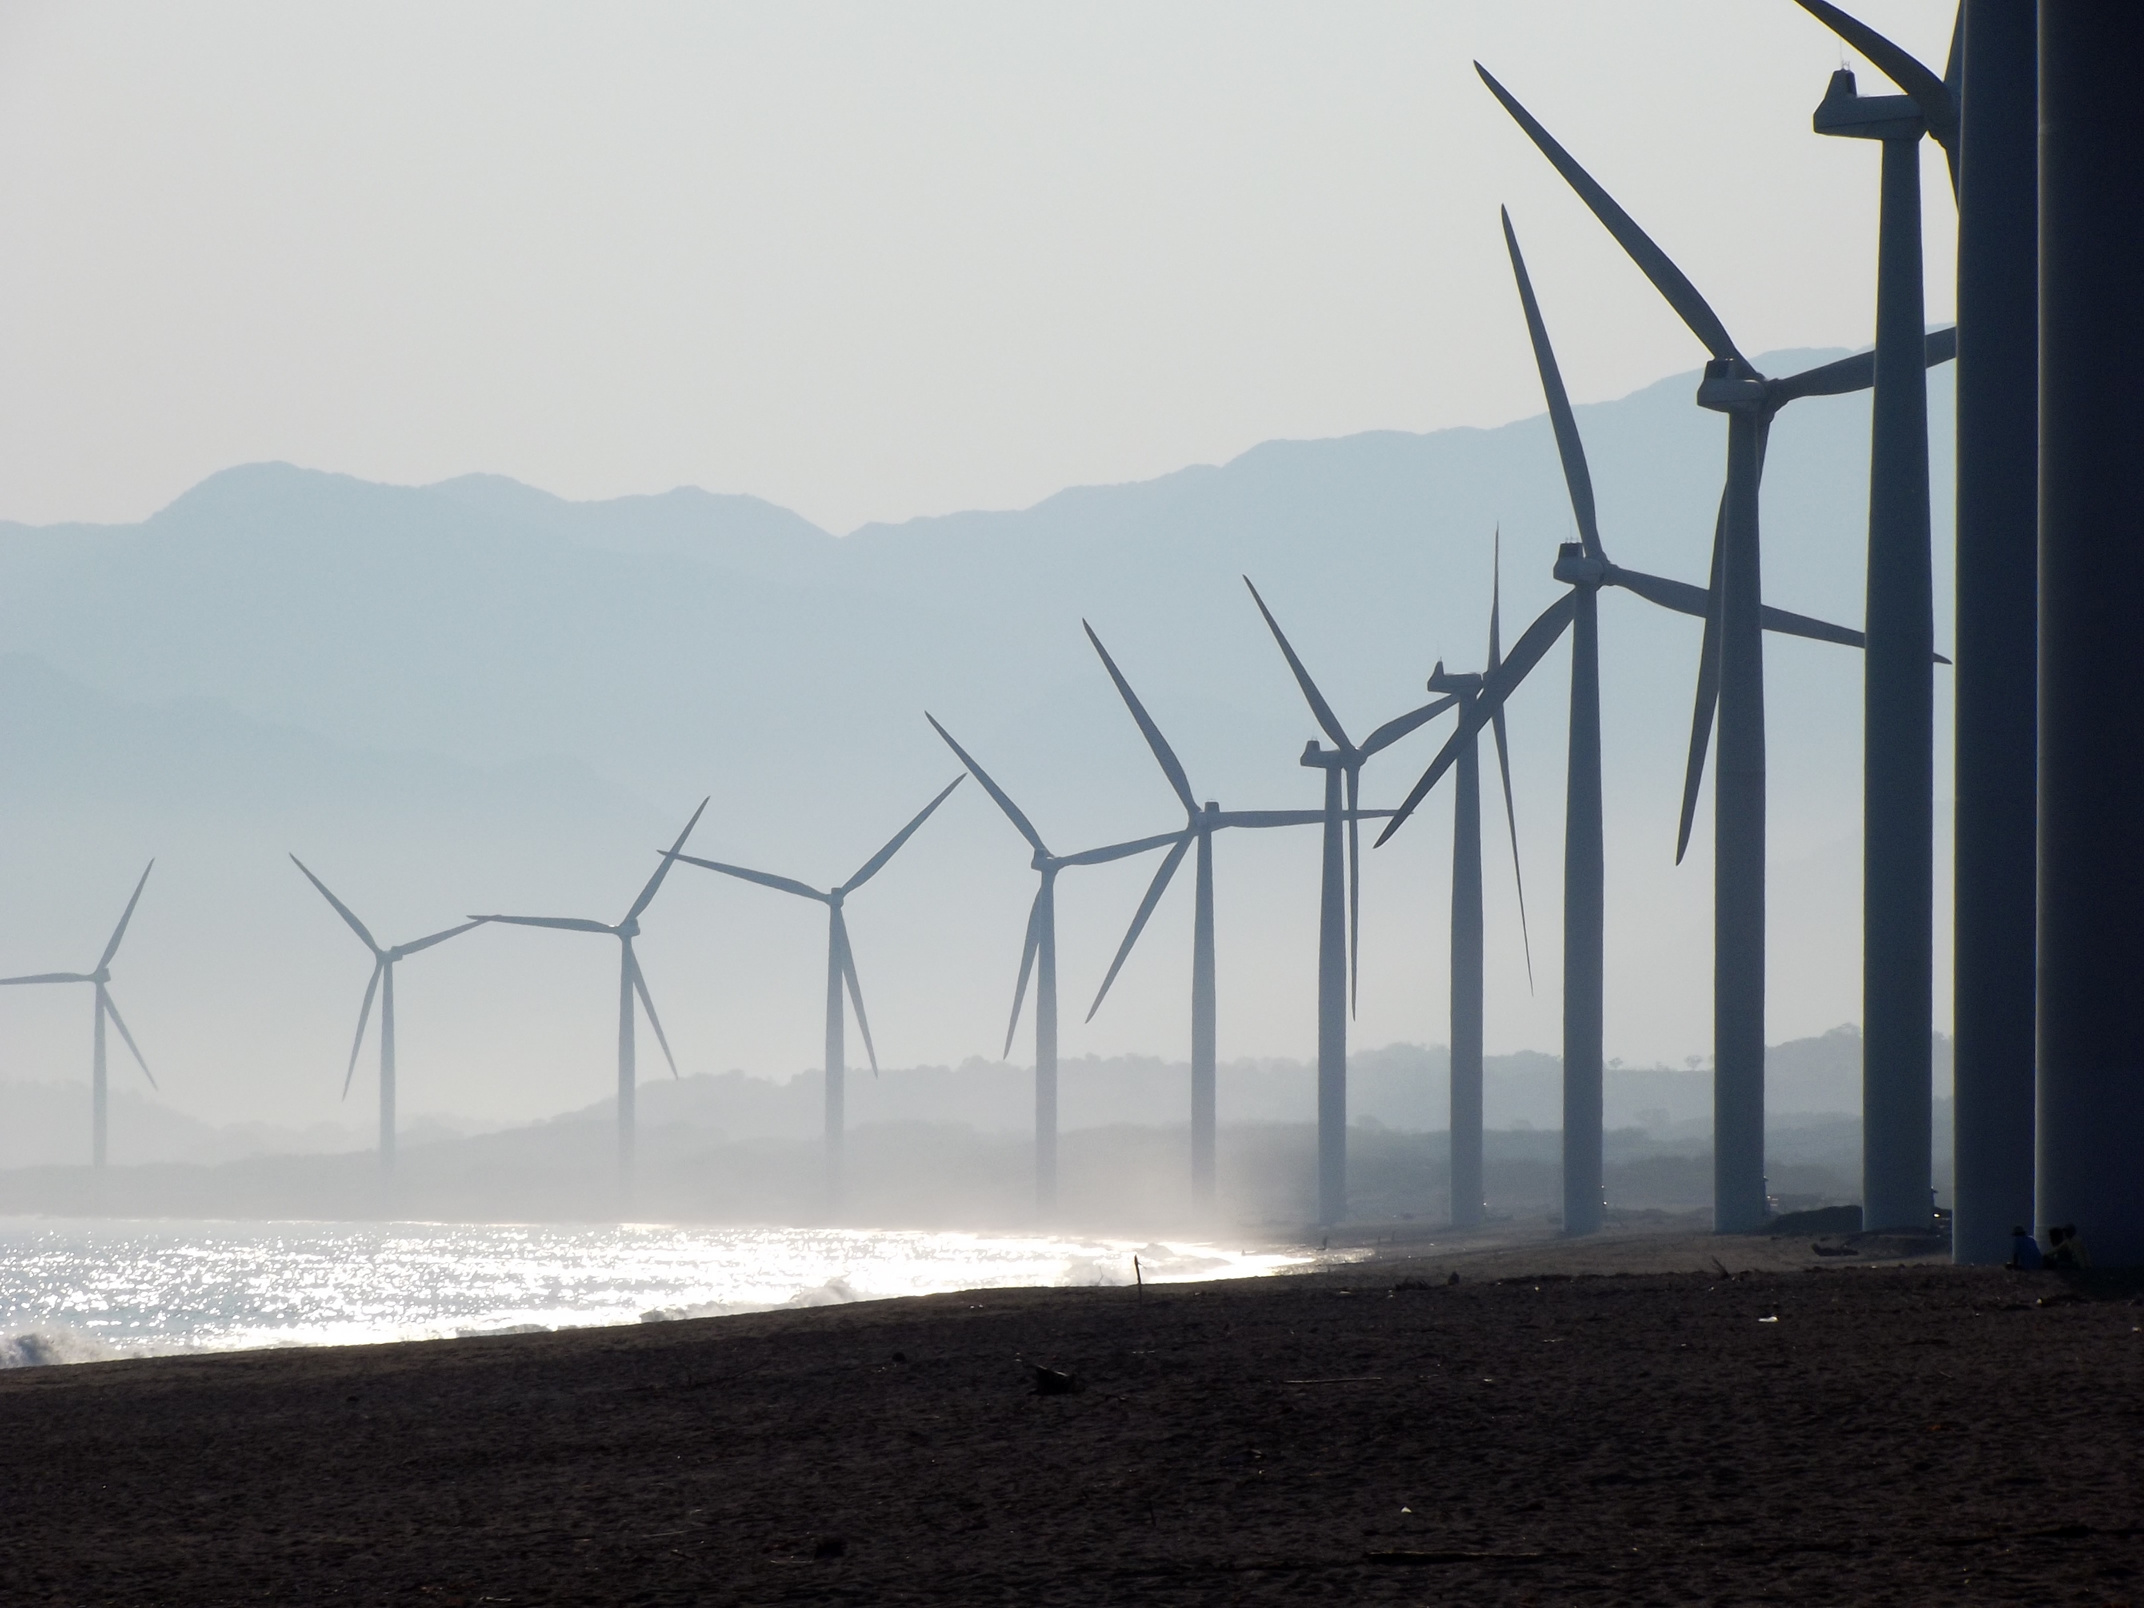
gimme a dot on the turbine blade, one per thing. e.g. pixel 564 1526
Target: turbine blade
pixel 364 1015
pixel 1678 596
pixel 1354 886
pixel 1496 601
pixel 1263 818
pixel 1028 951
pixel 1577 478
pixel 766 879
pixel 856 992
pixel 49 977
pixel 1393 730
pixel 1511 821
pixel 1327 720
pixel 1801 625
pixel 647 894
pixel 111 1009
pixel 1938 110
pixel 877 862
pixel 1858 372
pixel 1164 755
pixel 1496 686
pixel 562 923
pixel 439 937
pixel 1708 694
pixel 120 931
pixel 1154 891
pixel 341 909
pixel 1119 851
pixel 1651 260
pixel 647 1003
pixel 1012 811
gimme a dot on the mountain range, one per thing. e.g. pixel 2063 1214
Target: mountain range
pixel 476 696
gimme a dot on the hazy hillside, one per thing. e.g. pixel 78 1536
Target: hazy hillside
pixel 476 696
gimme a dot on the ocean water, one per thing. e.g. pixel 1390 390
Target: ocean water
pixel 77 1291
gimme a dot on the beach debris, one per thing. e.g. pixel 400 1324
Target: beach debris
pixel 830 1546
pixel 1412 1284
pixel 1821 1249
pixel 1053 1382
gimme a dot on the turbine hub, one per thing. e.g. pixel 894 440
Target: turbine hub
pixel 1574 568
pixel 628 929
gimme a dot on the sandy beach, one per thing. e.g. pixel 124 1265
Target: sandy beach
pixel 1656 1416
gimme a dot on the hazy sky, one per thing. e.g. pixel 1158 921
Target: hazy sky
pixel 872 260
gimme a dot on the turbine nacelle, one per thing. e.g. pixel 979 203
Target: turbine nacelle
pixel 1462 684
pixel 1731 386
pixel 1848 114
pixel 1317 757
pixel 1574 568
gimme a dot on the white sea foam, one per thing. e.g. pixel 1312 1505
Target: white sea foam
pixel 74 1291
pixel 41 1348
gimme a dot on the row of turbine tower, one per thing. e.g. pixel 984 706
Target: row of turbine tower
pixel 1729 714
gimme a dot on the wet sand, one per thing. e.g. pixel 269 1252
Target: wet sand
pixel 1608 1422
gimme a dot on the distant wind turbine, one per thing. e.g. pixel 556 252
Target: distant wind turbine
pixel 101 978
pixel 1342 764
pixel 383 984
pixel 1468 962
pixel 840 969
pixel 1038 955
pixel 1730 680
pixel 1200 824
pixel 631 984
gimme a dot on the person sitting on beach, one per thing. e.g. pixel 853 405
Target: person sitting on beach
pixel 2069 1252
pixel 2024 1251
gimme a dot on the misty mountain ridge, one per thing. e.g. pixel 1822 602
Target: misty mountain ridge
pixel 477 695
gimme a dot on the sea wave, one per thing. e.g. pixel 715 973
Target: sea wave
pixel 45 1348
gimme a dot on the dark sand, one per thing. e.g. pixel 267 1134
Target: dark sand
pixel 1904 1434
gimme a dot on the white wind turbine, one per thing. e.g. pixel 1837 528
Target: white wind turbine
pixel 101 980
pixel 382 984
pixel 631 984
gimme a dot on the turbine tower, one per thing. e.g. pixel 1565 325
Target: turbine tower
pixel 1898 685
pixel 1200 824
pixel 631 985
pixel 1730 679
pixel 1467 958
pixel 840 969
pixel 383 984
pixel 1337 932
pixel 100 979
pixel 1996 872
pixel 1585 568
pixel 1038 955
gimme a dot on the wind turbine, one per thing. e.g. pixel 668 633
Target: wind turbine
pixel 840 968
pixel 101 979
pixel 1898 685
pixel 1467 960
pixel 1038 955
pixel 1584 567
pixel 1731 679
pixel 1200 824
pixel 631 984
pixel 1342 765
pixel 383 984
